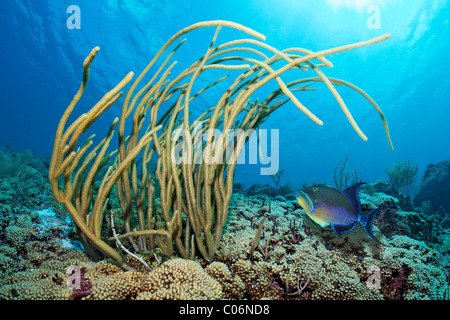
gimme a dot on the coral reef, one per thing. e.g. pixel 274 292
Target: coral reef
pixel 435 187
pixel 202 235
pixel 401 175
pixel 176 279
pixel 283 190
pixel 270 249
pixel 333 267
pixel 23 180
pixel 232 285
pixel 194 171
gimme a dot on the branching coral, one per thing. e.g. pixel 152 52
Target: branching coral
pixel 324 266
pixel 402 174
pixel 344 178
pixel 194 194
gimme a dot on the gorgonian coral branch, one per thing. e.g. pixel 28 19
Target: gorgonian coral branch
pixel 194 193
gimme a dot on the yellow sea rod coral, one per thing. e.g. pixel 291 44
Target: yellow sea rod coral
pixel 194 198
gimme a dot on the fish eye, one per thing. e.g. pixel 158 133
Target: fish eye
pixel 314 189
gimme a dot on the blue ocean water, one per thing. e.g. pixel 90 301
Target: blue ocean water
pixel 407 74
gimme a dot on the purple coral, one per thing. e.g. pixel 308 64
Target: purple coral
pixel 395 287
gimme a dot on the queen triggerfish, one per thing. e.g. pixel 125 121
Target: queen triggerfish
pixel 341 209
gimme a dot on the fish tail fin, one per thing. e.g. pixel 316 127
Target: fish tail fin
pixel 366 221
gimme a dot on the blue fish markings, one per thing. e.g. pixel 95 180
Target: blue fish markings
pixel 341 209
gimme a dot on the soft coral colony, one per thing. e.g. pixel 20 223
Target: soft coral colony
pixel 194 197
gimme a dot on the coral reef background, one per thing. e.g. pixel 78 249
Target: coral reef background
pixel 270 250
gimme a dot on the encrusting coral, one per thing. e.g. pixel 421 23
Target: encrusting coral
pixel 194 196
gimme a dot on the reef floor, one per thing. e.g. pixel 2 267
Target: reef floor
pixel 270 250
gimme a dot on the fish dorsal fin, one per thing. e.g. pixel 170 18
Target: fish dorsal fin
pixel 352 194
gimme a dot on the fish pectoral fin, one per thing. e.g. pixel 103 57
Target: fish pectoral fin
pixel 340 229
